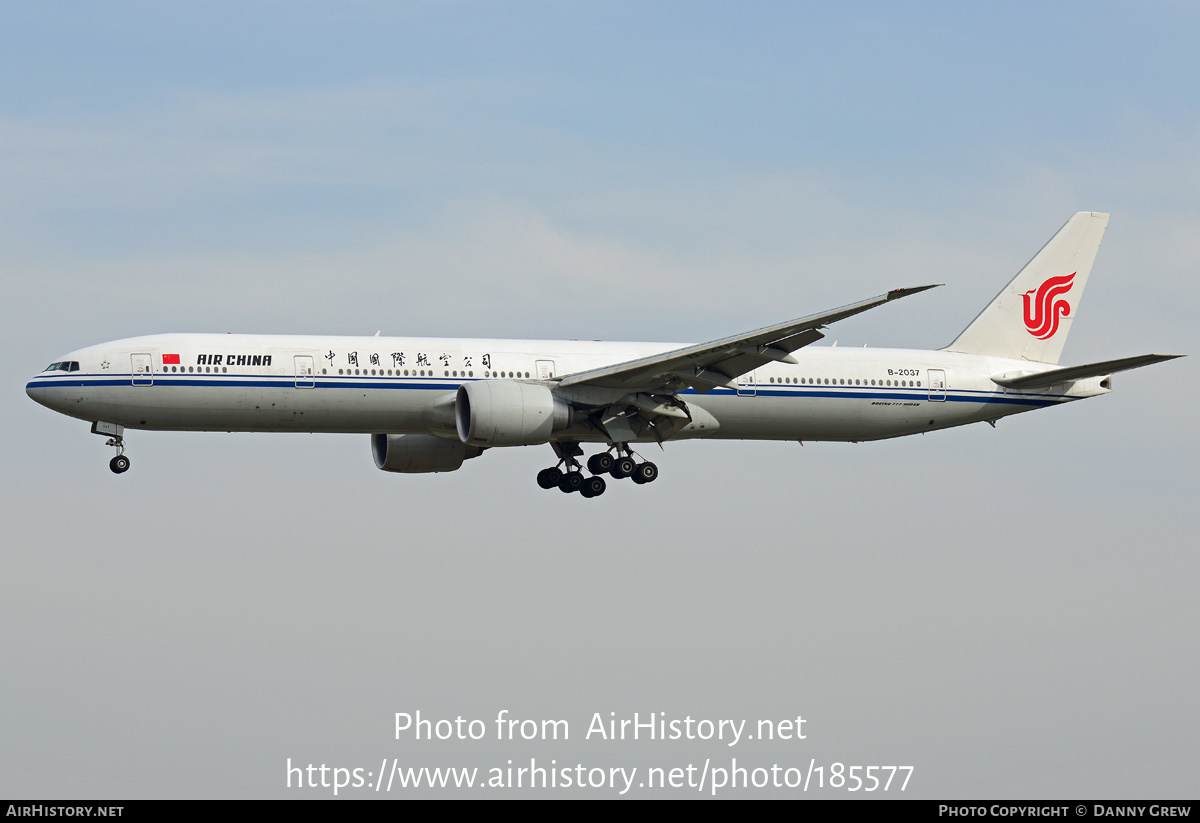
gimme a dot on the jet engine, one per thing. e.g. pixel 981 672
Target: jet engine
pixel 508 413
pixel 419 453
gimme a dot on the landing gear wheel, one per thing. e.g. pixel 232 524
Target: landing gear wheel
pixel 548 478
pixel 571 482
pixel 601 463
pixel 623 467
pixel 119 464
pixel 593 487
pixel 645 473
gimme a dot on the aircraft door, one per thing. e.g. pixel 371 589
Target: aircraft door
pixel 745 385
pixel 305 372
pixel 143 369
pixel 545 370
pixel 937 384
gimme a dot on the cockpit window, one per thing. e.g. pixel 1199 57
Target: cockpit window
pixel 65 365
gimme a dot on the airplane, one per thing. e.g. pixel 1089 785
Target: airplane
pixel 429 404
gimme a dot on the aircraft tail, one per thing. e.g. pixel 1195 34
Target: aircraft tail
pixel 1031 317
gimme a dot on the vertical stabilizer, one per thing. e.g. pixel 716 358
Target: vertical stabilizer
pixel 1031 317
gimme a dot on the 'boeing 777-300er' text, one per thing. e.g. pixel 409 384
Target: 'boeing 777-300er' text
pixel 428 404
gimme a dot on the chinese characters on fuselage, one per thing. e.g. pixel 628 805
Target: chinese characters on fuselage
pixel 400 358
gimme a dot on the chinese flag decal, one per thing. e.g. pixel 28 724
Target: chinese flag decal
pixel 170 360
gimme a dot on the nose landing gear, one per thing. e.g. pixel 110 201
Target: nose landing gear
pixel 120 463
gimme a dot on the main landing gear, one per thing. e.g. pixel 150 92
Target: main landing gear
pixel 617 465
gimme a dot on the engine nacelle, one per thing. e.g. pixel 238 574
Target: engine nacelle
pixel 508 413
pixel 419 453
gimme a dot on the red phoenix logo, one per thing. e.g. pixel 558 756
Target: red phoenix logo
pixel 1042 310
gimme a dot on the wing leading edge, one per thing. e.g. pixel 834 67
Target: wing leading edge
pixel 708 365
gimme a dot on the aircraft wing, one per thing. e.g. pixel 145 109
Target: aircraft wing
pixel 1068 373
pixel 708 365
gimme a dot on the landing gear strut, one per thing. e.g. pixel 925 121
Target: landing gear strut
pixel 618 462
pixel 120 463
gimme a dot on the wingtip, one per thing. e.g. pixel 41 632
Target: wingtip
pixel 897 293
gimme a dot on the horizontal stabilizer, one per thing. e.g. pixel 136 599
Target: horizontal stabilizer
pixel 1024 380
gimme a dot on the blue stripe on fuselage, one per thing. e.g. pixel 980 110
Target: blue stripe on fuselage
pixel 445 384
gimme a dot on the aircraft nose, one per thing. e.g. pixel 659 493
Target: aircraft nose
pixel 36 391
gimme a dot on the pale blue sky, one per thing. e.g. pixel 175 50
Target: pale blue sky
pixel 924 106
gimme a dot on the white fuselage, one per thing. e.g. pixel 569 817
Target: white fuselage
pixel 212 382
